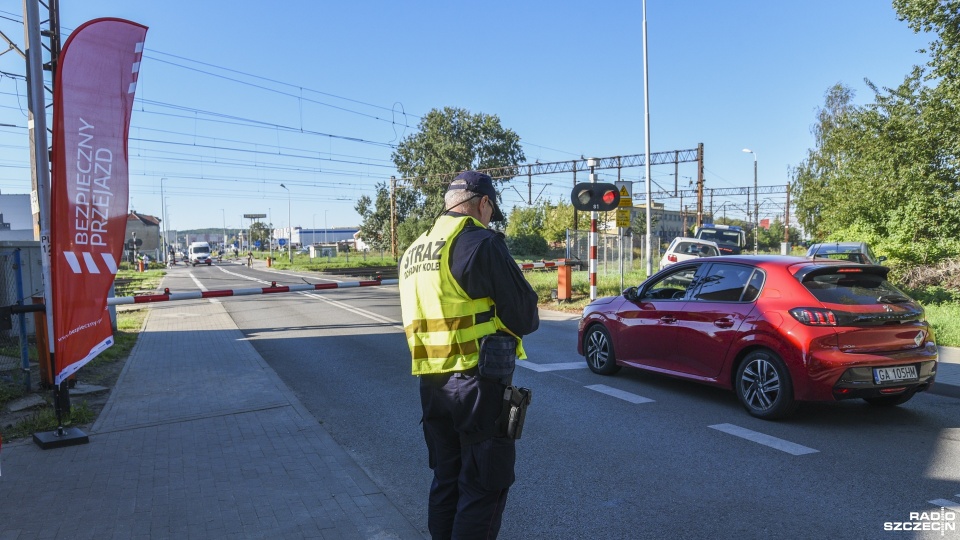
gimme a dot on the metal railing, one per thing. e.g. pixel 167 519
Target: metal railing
pixel 14 355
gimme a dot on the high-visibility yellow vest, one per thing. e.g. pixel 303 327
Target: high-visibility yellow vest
pixel 438 316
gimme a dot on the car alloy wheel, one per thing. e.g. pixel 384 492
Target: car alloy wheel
pixel 598 350
pixel 764 387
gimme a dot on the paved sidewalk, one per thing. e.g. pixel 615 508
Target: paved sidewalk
pixel 199 439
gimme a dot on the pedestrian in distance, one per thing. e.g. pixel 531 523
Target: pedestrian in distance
pixel 465 307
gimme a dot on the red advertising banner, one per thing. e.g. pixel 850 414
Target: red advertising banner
pixel 93 99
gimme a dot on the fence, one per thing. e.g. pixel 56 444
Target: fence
pixel 14 356
pixel 609 247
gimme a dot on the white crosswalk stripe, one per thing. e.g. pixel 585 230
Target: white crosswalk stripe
pixel 947 503
pixel 619 394
pixel 764 439
pixel 540 368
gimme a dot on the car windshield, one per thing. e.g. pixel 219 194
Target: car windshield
pixel 201 249
pixel 854 288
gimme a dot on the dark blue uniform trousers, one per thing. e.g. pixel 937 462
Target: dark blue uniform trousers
pixel 470 481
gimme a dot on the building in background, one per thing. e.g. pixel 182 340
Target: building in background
pixel 668 224
pixel 16 218
pixel 316 237
pixel 143 232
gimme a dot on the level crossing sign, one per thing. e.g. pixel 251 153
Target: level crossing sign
pixel 626 203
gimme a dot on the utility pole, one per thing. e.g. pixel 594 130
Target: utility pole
pixel 163 214
pixel 393 217
pixel 700 187
pixel 786 220
pixel 592 245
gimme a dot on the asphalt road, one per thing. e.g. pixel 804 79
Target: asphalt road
pixel 634 455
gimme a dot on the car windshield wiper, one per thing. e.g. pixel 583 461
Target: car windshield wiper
pixel 892 299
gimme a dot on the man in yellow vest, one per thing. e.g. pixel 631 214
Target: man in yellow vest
pixel 465 306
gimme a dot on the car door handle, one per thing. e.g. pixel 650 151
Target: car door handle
pixel 668 320
pixel 723 323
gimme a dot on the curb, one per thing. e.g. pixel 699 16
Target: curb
pixel 943 389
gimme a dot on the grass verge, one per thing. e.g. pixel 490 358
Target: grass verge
pixel 101 371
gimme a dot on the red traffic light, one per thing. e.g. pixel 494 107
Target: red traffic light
pixel 595 197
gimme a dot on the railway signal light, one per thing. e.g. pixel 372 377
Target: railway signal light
pixel 593 197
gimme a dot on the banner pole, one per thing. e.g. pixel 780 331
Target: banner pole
pixel 40 165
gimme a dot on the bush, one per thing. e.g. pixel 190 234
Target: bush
pixel 944 275
pixel 527 245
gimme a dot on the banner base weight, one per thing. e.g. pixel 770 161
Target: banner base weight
pixel 60 438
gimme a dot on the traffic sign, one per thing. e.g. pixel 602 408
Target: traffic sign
pixel 626 194
pixel 623 217
pixel 282 242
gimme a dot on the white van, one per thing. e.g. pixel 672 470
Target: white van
pixel 199 253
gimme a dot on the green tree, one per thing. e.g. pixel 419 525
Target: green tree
pixel 771 238
pixel 375 215
pixel 811 187
pixel 638 224
pixel 260 232
pixel 557 218
pixel 942 19
pixel 524 237
pixel 448 141
pixel 886 172
pixel 525 221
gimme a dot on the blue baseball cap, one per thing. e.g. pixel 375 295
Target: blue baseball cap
pixel 480 183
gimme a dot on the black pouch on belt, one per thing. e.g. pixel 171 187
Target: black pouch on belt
pixel 516 399
pixel 498 357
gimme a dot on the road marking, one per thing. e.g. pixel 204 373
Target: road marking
pixel 946 503
pixel 301 277
pixel 619 394
pixel 764 439
pixel 242 276
pixel 197 281
pixel 540 368
pixel 358 311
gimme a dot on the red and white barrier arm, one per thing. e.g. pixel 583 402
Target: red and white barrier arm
pixel 168 296
pixel 544 264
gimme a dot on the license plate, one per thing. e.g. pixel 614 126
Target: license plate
pixel 894 374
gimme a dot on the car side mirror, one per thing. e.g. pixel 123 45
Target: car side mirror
pixel 881 258
pixel 630 293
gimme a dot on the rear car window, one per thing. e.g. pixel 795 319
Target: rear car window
pixel 854 288
pixel 730 237
pixel 691 248
pixel 753 287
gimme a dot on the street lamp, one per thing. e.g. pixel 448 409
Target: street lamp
pixel 163 214
pixel 290 224
pixel 223 247
pixel 756 204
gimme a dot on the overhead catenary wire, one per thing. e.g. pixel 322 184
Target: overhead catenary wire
pixel 285 159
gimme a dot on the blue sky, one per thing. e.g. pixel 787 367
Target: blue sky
pixel 237 97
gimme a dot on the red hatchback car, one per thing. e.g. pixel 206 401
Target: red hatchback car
pixel 776 330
